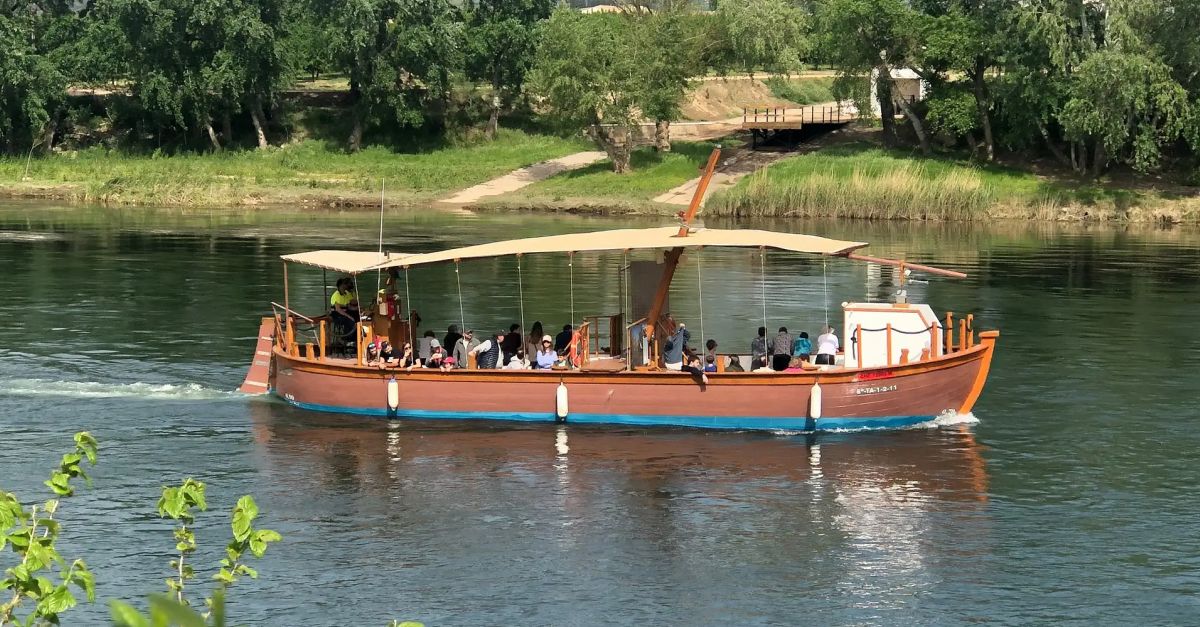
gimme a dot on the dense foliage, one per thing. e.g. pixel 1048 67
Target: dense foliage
pixel 1089 83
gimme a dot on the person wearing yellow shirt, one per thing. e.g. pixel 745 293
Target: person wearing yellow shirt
pixel 343 306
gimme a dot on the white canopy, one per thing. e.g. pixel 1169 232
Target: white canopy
pixel 356 262
pixel 347 261
pixel 633 239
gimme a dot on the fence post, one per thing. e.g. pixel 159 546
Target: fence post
pixel 889 344
pixel 949 339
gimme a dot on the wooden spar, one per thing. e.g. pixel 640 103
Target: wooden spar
pixel 671 259
pixel 906 264
pixel 287 306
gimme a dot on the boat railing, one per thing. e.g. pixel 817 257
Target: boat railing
pixel 966 338
pixel 604 333
pixel 286 330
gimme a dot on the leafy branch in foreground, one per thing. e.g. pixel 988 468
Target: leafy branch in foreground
pixel 32 535
pixel 177 502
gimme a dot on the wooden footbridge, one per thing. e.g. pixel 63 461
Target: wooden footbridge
pixel 770 124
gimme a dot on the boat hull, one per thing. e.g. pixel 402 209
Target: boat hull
pixel 869 398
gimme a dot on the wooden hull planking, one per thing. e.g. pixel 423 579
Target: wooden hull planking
pixel 885 397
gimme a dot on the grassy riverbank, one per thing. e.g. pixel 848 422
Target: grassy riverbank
pixel 307 172
pixel 862 180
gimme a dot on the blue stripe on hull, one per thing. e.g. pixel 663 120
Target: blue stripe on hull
pixel 702 422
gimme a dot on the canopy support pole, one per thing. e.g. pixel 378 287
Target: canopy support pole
pixel 408 301
pixel 762 281
pixel 825 280
pixel 521 295
pixel 287 306
pixel 700 293
pixel 462 318
pixel 571 266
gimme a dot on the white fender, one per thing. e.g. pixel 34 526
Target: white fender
pixel 393 394
pixel 814 401
pixel 560 402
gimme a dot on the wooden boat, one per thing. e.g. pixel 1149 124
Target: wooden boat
pixel 903 365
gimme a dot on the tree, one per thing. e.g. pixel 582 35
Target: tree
pixel 32 86
pixel 501 40
pixel 399 55
pixel 194 60
pixel 770 35
pixel 668 65
pixel 870 37
pixel 590 77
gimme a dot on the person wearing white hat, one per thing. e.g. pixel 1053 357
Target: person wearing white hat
pixel 546 356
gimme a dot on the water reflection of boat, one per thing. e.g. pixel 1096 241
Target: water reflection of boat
pixel 902 365
pixel 910 465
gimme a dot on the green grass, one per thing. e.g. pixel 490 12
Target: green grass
pixel 304 169
pixel 863 181
pixel 652 174
pixel 803 91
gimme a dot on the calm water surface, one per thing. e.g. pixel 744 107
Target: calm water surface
pixel 1071 499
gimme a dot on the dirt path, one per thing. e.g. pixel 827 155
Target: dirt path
pixel 525 176
pixel 735 164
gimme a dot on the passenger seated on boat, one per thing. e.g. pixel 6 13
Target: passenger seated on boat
pixel 781 350
pixel 710 363
pixel 510 344
pixel 463 348
pixel 800 364
pixel 758 346
pixel 734 364
pixel 762 365
pixel 437 358
pixel 343 306
pixel 674 346
pixel 425 348
pixel 710 350
pixel 803 347
pixel 518 361
pixel 452 337
pixel 379 350
pixel 489 352
pixel 563 339
pixel 546 355
pixel 827 347
pixel 693 366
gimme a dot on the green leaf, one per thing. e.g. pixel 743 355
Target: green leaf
pixel 83 578
pixel 57 601
pixel 243 516
pixel 86 444
pixel 123 615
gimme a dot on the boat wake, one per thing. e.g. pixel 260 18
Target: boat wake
pixel 948 419
pixel 92 389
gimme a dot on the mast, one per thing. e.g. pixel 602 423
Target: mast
pixel 671 259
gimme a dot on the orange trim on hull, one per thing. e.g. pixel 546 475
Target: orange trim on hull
pixel 987 339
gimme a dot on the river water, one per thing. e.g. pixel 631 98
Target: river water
pixel 1069 498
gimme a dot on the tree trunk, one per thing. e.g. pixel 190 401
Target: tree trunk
pixel 662 135
pixel 212 136
pixel 917 124
pixel 493 125
pixel 1099 160
pixel 48 135
pixel 887 111
pixel 256 116
pixel 983 104
pixel 1053 147
pixel 616 142
pixel 356 134
pixel 227 128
